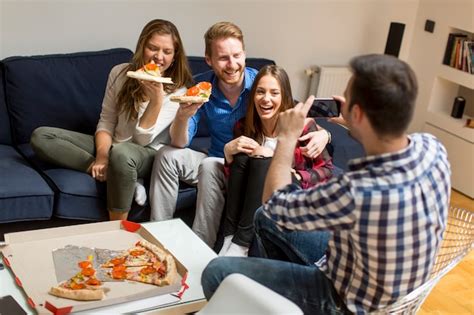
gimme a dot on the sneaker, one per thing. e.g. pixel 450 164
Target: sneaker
pixel 236 250
pixel 140 192
pixel 225 246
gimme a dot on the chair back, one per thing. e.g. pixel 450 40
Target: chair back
pixel 457 242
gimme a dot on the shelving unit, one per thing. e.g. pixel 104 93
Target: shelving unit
pixel 448 83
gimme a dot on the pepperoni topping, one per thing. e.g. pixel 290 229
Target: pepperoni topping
pixel 192 91
pixel 137 252
pixel 85 264
pixel 204 85
pixel 147 270
pixel 88 272
pixel 162 270
pixel 119 274
pixel 117 261
pixel 151 66
pixel 119 268
pixel 77 286
pixel 93 281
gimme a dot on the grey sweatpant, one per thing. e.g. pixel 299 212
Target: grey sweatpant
pixel 194 168
pixel 127 161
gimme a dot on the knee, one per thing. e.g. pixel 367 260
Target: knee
pixel 37 137
pixel 212 276
pixel 166 158
pixel 211 168
pixel 119 159
pixel 240 160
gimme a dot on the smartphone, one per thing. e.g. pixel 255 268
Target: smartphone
pixel 325 107
pixel 9 306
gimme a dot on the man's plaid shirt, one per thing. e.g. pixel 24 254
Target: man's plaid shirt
pixel 386 214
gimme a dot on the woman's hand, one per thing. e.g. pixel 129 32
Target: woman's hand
pixel 241 144
pixel 99 169
pixel 316 144
pixel 262 152
pixel 153 90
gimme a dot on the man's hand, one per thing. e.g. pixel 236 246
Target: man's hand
pixel 339 120
pixel 187 110
pixel 291 122
pixel 316 144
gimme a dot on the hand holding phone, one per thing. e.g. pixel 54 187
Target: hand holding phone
pixel 325 107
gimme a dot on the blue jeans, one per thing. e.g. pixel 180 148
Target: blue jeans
pixel 298 279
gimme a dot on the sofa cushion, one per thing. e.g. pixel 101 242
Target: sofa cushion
pixel 63 90
pixel 343 147
pixel 5 135
pixel 24 194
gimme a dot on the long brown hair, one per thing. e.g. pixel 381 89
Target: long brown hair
pixel 253 127
pixel 179 70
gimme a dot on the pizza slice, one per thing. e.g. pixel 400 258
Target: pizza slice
pixel 199 93
pixel 149 72
pixel 145 263
pixel 84 286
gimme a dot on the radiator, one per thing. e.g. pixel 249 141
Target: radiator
pixel 329 80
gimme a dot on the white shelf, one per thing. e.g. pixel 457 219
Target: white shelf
pixel 457 76
pixel 454 126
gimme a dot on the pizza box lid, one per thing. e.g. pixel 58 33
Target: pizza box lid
pixel 29 255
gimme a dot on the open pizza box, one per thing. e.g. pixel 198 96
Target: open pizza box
pixel 29 255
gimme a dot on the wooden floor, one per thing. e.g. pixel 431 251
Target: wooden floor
pixel 454 294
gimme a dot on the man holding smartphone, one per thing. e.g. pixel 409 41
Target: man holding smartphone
pixel 386 214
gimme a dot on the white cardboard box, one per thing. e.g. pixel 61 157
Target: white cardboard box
pixel 29 255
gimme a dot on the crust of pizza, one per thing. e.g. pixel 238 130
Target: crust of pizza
pixel 171 271
pixel 140 75
pixel 80 295
pixel 188 99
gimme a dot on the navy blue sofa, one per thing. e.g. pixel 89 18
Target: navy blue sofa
pixel 66 91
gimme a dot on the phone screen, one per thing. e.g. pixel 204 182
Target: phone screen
pixel 325 107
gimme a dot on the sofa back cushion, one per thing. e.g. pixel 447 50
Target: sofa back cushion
pixel 61 90
pixel 5 135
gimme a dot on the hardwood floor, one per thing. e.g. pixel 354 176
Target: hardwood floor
pixel 454 294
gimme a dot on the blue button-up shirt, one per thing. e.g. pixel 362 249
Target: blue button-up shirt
pixel 386 214
pixel 220 115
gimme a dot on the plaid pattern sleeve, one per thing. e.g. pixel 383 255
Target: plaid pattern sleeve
pixel 312 171
pixel 386 214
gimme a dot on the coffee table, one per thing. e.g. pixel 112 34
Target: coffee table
pixel 177 237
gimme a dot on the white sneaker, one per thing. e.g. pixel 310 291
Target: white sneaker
pixel 225 246
pixel 236 250
pixel 140 192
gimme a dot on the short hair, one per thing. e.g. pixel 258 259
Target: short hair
pixel 385 88
pixel 222 30
pixel 253 127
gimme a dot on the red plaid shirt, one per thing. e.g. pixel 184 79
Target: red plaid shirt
pixel 312 171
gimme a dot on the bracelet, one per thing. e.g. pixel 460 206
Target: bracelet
pixel 329 136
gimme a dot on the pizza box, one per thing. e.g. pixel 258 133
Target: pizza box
pixel 29 255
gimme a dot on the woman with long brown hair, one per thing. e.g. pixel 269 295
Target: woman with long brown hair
pixel 270 95
pixel 134 122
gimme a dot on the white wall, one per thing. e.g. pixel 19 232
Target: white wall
pixel 296 34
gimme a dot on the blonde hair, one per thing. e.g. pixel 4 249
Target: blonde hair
pixel 179 70
pixel 222 30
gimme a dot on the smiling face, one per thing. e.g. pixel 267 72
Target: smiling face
pixel 161 50
pixel 267 98
pixel 227 60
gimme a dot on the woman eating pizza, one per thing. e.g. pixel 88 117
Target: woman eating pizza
pixel 248 157
pixel 134 122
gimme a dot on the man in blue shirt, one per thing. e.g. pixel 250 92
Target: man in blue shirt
pixel 386 214
pixel 231 83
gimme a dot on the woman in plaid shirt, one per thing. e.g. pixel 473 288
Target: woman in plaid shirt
pixel 255 135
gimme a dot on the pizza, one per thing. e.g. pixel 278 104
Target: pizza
pixel 199 93
pixel 149 72
pixel 146 263
pixel 84 286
